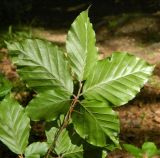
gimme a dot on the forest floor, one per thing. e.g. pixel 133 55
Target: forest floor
pixel 138 35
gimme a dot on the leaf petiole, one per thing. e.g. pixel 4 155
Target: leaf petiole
pixel 65 121
pixel 20 156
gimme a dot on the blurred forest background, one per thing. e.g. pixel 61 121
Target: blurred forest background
pixel 61 12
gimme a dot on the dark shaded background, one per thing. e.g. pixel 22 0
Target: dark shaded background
pixel 62 12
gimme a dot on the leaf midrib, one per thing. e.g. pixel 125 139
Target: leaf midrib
pixel 109 81
pixel 85 51
pixel 40 65
pixel 86 48
pixel 97 122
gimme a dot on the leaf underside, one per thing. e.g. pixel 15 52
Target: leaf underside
pixel 64 146
pixel 80 45
pixel 44 67
pixel 36 150
pixel 41 64
pixel 14 126
pixel 117 79
pixel 97 123
pixel 48 105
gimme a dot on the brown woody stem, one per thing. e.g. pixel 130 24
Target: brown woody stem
pixel 65 121
pixel 20 156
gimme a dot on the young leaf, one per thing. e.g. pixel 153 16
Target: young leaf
pixel 42 65
pixel 48 105
pixel 117 79
pixel 97 123
pixel 80 46
pixel 104 154
pixel 64 146
pixel 14 126
pixel 149 149
pixel 36 150
pixel 5 86
pixel 133 150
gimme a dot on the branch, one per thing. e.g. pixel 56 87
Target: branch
pixel 65 121
pixel 20 156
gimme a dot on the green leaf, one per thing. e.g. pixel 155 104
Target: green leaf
pixel 104 154
pixel 48 105
pixel 150 149
pixel 117 79
pixel 97 123
pixel 42 65
pixel 80 46
pixel 5 86
pixel 133 150
pixel 64 146
pixel 36 150
pixel 14 126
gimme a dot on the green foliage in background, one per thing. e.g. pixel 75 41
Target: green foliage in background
pixel 14 34
pixel 148 150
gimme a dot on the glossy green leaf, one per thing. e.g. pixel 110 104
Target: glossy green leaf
pixel 41 64
pixel 117 79
pixel 80 46
pixel 133 150
pixel 48 105
pixel 5 86
pixel 97 123
pixel 64 146
pixel 14 126
pixel 150 149
pixel 36 150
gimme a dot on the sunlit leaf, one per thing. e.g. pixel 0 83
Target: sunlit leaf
pixel 80 46
pixel 36 150
pixel 117 79
pixel 41 64
pixel 150 149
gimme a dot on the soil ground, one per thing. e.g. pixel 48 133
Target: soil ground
pixel 136 34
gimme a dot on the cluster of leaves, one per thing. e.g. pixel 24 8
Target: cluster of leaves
pixel 74 89
pixel 148 150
